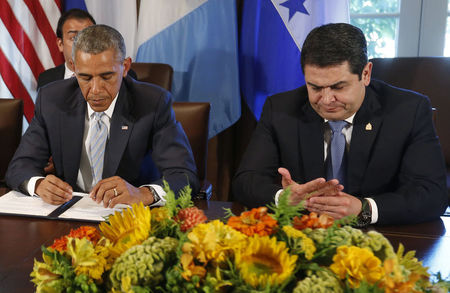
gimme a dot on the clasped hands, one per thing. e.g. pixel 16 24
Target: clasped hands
pixel 111 191
pixel 323 197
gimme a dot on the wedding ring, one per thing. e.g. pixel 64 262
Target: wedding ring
pixel 115 192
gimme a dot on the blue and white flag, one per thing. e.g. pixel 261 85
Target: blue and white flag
pixel 272 34
pixel 198 38
pixel 119 14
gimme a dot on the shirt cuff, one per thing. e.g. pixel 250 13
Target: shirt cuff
pixel 160 192
pixel 277 196
pixel 31 185
pixel 373 206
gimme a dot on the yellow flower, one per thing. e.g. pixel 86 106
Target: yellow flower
pixel 85 260
pixel 356 264
pixel 102 249
pixel 212 241
pixel 264 261
pixel 159 214
pixel 43 275
pixel 395 281
pixel 128 228
pixel 307 243
pixel 189 267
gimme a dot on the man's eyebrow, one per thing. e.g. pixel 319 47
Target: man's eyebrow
pixel 325 86
pixel 101 74
pixel 107 73
pixel 73 32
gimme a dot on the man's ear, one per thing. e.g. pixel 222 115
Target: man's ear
pixel 126 66
pixel 367 73
pixel 59 43
pixel 71 65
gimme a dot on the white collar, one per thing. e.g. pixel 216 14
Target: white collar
pixel 349 119
pixel 67 72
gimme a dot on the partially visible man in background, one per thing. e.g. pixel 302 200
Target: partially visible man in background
pixel 69 24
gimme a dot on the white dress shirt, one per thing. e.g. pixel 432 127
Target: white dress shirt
pixel 84 178
pixel 67 72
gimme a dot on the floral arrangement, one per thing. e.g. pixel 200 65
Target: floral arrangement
pixel 268 249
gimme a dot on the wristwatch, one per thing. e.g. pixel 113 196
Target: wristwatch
pixel 365 216
pixel 156 197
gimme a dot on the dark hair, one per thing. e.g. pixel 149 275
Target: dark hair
pixel 333 44
pixel 98 38
pixel 69 14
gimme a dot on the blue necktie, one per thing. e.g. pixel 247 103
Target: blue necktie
pixel 337 151
pixel 99 134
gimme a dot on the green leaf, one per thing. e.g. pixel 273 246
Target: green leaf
pixel 284 212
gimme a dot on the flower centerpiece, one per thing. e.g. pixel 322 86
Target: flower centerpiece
pixel 268 249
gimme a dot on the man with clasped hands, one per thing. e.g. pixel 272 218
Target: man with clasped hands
pixel 98 128
pixel 383 163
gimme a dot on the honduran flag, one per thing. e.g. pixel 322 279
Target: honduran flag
pixel 272 35
pixel 198 38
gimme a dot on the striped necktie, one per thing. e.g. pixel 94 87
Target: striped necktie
pixel 337 151
pixel 99 134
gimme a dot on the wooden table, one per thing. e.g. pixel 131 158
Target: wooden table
pixel 21 239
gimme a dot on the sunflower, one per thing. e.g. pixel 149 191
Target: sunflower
pixel 356 264
pixel 128 228
pixel 256 221
pixel 264 261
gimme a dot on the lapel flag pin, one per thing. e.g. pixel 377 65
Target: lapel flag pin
pixel 368 126
pixel 124 127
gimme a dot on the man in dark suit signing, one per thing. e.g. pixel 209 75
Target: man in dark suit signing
pixel 346 144
pixel 98 128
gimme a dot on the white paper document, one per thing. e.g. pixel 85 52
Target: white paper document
pixel 86 208
pixel 17 203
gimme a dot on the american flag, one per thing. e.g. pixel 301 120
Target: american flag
pixel 27 47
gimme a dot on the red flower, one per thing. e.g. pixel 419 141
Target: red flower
pixel 189 218
pixel 91 233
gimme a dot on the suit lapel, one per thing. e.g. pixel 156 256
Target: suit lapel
pixel 366 125
pixel 72 129
pixel 119 133
pixel 311 143
pixel 61 71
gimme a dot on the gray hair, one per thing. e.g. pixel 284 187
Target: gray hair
pixel 99 38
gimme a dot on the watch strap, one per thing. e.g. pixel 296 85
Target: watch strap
pixel 364 218
pixel 156 197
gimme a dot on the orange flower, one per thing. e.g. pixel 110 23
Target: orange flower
pixel 91 233
pixel 255 221
pixel 312 221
